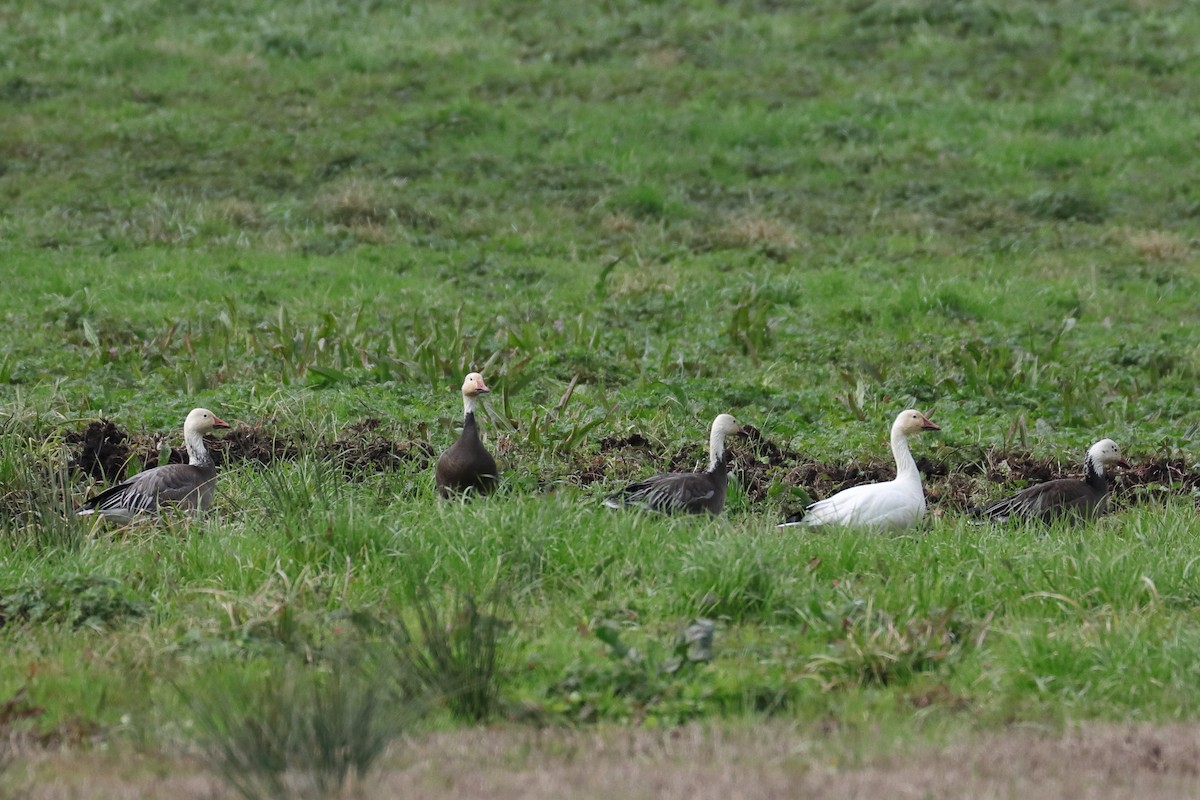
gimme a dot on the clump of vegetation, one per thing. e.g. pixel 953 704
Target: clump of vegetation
pixel 734 579
pixel 876 648
pixel 76 600
pixel 297 730
pixel 35 499
pixel 637 683
pixel 458 656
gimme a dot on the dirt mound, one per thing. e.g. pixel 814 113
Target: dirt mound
pixel 1162 472
pixel 364 450
pixel 102 450
pixel 618 442
pixel 249 443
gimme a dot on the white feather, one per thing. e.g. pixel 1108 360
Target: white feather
pixel 893 505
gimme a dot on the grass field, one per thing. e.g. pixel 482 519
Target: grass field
pixel 316 218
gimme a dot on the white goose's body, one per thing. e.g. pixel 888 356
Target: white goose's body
pixel 189 486
pixel 897 504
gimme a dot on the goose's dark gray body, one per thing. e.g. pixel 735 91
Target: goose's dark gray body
pixel 466 465
pixel 1063 497
pixel 685 492
pixel 189 487
pixel 677 492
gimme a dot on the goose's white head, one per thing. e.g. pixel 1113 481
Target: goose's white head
pixel 726 425
pixel 912 421
pixel 1106 453
pixel 474 386
pixel 202 421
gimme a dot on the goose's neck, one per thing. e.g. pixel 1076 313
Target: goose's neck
pixel 716 450
pixel 470 401
pixel 198 455
pixel 1093 473
pixel 906 468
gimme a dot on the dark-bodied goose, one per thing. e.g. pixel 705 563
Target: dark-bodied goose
pixel 893 505
pixel 1047 501
pixel 685 492
pixel 187 486
pixel 467 465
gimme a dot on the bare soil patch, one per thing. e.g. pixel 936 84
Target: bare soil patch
pixel 364 449
pixel 772 760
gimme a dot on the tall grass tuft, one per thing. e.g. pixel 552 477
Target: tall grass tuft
pixel 297 730
pixel 35 502
pixel 875 648
pixel 735 579
pixel 299 490
pixel 459 656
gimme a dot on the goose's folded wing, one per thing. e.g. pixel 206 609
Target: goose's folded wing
pixel 669 492
pixel 878 505
pixel 839 509
pixel 147 491
pixel 1045 501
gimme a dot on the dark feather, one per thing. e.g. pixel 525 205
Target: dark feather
pixel 185 485
pixel 466 464
pixel 1051 500
pixel 677 492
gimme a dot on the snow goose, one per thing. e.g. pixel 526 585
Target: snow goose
pixel 1087 498
pixel 467 465
pixel 685 492
pixel 894 505
pixel 187 486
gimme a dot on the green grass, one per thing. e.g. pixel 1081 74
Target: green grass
pixel 630 218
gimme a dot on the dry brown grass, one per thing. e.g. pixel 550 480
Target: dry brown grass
pixel 662 58
pixel 618 223
pixel 237 212
pixel 353 203
pixel 694 763
pixel 1154 245
pixel 755 231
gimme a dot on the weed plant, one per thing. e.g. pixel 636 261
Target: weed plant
pixel 294 730
pixel 458 656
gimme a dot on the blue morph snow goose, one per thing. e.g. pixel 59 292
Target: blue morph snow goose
pixel 685 492
pixel 467 465
pixel 187 486
pixel 893 505
pixel 1087 498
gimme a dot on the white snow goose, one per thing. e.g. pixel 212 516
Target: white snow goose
pixel 1087 498
pixel 467 465
pixel 187 486
pixel 894 505
pixel 685 492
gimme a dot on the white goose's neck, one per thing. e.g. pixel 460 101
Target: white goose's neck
pixel 469 403
pixel 906 468
pixel 198 455
pixel 716 449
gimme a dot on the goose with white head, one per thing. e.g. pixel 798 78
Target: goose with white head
pixel 686 492
pixel 893 505
pixel 467 466
pixel 1064 497
pixel 189 487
